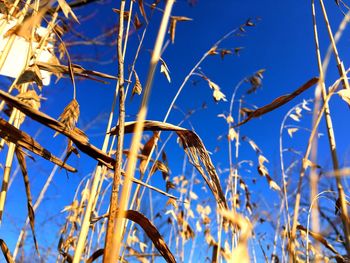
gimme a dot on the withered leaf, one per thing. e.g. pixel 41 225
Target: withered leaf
pixel 31 74
pixel 279 101
pixel 225 52
pixel 6 252
pixel 345 95
pixel 164 69
pixel 142 10
pixel 173 22
pixel 22 139
pixel 137 22
pixel 137 89
pixel 195 150
pixel 31 215
pixel 67 10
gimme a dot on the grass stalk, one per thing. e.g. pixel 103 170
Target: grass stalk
pixel 118 226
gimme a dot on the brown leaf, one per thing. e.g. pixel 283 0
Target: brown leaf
pixel 137 22
pixel 195 150
pixel 77 70
pixel 142 10
pixel 319 238
pixel 6 252
pixel 22 163
pixel 22 139
pixel 77 136
pixel 25 29
pixel 225 52
pixel 279 101
pixel 173 22
pixel 137 89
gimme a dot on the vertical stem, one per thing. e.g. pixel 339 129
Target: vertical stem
pixel 118 226
pixel 110 254
pixel 330 130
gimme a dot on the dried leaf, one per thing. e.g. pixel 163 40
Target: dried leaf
pixel 319 238
pixel 30 98
pixel 252 144
pixel 66 9
pixel 142 10
pixel 173 22
pixel 165 70
pixel 6 252
pixel 217 94
pixel 345 95
pixel 22 139
pixel 32 74
pixel 137 22
pixel 233 135
pixel 137 89
pixel 77 70
pixel 31 215
pixel 279 101
pixel 291 131
pixel 195 150
pixel 294 117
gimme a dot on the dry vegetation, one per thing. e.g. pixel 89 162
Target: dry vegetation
pixel 104 220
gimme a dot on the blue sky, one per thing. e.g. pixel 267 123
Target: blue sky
pixel 281 42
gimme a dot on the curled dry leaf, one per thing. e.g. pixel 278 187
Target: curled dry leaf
pixel 137 89
pixel 195 150
pixel 173 22
pixel 152 233
pixel 279 101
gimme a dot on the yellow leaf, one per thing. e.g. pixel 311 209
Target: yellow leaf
pixel 345 95
pixel 291 131
pixel 274 185
pixel 294 117
pixel 232 134
pixel 67 10
pixel 218 95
